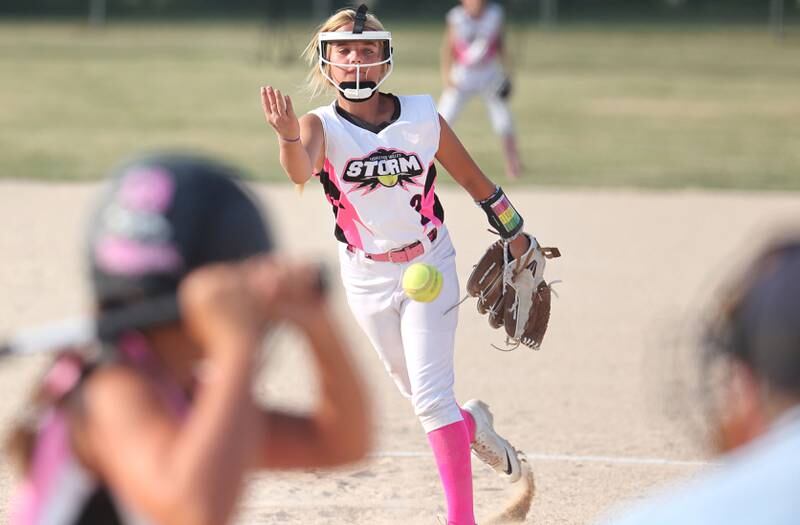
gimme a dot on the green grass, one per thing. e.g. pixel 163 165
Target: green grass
pixel 656 107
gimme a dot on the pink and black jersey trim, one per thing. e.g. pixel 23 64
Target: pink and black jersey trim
pixel 461 50
pixel 347 218
pixel 428 204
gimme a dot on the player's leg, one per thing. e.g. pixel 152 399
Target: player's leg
pixel 428 338
pixel 503 125
pixel 372 294
pixel 451 103
pixel 371 291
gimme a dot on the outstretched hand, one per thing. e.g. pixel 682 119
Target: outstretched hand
pixel 279 113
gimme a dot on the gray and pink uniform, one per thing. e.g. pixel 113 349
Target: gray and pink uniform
pixel 475 44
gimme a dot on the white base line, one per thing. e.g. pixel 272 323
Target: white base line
pixel 565 457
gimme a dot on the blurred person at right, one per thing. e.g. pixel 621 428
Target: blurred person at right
pixel 750 355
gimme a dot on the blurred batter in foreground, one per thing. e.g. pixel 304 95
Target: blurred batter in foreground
pixel 157 422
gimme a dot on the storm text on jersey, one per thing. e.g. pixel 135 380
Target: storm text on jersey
pixel 383 167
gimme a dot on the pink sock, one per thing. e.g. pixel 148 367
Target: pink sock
pixel 470 422
pixel 450 445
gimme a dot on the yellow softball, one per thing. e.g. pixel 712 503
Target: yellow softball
pixel 422 282
pixel 388 180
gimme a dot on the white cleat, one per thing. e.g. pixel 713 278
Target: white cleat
pixel 488 446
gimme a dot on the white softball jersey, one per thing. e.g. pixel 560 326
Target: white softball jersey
pixel 476 41
pixel 380 180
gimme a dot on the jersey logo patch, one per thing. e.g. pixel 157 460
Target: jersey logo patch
pixel 383 167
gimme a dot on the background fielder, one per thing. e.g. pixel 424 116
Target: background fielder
pixel 472 64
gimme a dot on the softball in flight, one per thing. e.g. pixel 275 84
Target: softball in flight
pixel 422 282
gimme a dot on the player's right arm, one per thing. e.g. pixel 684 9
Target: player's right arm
pixel 301 141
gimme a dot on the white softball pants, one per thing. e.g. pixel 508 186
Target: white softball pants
pixel 414 340
pixel 469 82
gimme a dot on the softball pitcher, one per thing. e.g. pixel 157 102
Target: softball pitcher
pixel 374 154
pixel 472 64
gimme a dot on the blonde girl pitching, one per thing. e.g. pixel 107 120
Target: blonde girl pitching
pixel 375 155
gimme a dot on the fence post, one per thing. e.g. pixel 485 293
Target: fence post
pixel 321 9
pixel 97 12
pixel 548 13
pixel 776 8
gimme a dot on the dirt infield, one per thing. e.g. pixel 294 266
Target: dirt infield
pixel 588 408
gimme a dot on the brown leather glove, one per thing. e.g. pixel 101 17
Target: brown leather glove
pixel 514 293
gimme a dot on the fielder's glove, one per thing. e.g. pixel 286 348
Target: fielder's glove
pixel 504 90
pixel 513 292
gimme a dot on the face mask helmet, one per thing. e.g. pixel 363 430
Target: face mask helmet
pixel 358 90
